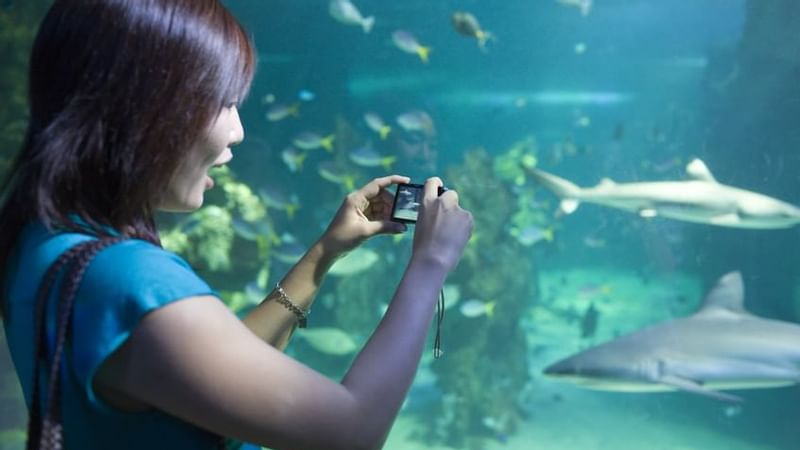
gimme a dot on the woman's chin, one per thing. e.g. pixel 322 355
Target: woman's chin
pixel 182 206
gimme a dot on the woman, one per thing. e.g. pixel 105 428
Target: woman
pixel 131 103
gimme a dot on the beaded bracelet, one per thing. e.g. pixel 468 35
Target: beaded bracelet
pixel 283 299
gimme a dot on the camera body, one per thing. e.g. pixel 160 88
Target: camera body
pixel 407 199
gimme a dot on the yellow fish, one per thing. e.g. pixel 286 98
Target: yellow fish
pixel 408 43
pixel 329 340
pixel 466 24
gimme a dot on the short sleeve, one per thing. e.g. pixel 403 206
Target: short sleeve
pixel 122 284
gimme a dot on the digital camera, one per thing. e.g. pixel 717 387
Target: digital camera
pixel 406 202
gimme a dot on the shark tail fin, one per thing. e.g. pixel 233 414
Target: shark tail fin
pixel 568 192
pixel 367 24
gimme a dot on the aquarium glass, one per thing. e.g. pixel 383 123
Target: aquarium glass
pixel 632 281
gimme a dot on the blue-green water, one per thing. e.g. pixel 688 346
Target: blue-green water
pixel 632 91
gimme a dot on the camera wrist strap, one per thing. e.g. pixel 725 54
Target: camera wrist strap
pixel 437 341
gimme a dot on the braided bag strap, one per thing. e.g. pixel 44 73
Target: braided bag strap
pixel 45 432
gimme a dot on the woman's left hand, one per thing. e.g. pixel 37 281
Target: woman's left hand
pixel 363 214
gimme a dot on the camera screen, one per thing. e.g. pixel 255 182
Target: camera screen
pixel 406 202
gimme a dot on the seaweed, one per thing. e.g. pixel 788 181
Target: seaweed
pixel 18 25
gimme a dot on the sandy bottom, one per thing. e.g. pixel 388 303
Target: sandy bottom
pixel 596 425
pixel 564 417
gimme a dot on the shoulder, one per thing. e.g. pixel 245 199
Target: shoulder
pixel 143 269
pixel 139 254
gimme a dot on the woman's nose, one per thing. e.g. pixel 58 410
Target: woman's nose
pixel 237 133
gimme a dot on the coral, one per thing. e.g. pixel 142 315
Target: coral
pixel 212 238
pixel 359 299
pixel 239 196
pixel 234 222
pixel 484 365
pixel 507 166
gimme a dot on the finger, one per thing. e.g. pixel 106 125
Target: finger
pixel 432 186
pixel 387 197
pixel 450 196
pixel 386 227
pixel 374 187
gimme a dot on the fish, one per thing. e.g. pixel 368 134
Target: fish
pixel 306 95
pixel 532 234
pixel 583 121
pixel 268 99
pixel 417 120
pixel 466 24
pixel 619 132
pixel 700 199
pixel 252 231
pixel 333 172
pixel 293 158
pixel 590 290
pixel 721 346
pixel 594 242
pixel 376 124
pixel 277 199
pixel 452 294
pixel 497 428
pixel 308 140
pixel 366 156
pixel 589 321
pixel 354 262
pixel 189 224
pixel 279 111
pixel 408 43
pixel 328 340
pixel 476 308
pixel 289 250
pixel 585 6
pixel 346 12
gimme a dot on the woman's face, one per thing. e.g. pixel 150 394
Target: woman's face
pixel 191 180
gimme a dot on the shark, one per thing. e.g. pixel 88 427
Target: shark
pixel 722 346
pixel 699 199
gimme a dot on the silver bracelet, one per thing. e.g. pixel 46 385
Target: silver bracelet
pixel 300 313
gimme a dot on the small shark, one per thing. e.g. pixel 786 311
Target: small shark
pixel 700 199
pixel 722 346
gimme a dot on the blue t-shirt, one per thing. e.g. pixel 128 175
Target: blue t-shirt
pixel 122 284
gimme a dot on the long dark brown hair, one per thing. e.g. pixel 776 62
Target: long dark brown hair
pixel 119 90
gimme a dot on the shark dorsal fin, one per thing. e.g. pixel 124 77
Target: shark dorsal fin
pixel 727 294
pixel 697 170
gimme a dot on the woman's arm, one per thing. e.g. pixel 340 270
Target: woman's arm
pixel 363 214
pixel 195 360
pixel 272 321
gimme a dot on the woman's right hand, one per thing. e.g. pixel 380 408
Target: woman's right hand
pixel 443 227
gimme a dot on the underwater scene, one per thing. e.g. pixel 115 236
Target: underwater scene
pixel 633 279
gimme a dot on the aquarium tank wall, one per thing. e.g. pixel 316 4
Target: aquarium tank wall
pixel 633 280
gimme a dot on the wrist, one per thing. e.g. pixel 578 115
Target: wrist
pixel 325 253
pixel 428 264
